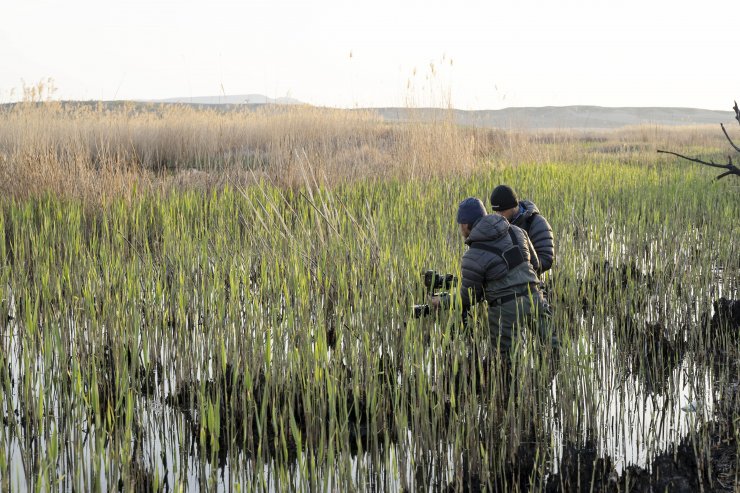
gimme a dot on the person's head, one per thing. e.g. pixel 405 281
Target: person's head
pixel 469 212
pixel 504 201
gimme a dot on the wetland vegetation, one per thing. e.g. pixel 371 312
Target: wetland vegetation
pixel 197 300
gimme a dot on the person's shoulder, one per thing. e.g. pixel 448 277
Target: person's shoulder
pixel 529 206
pixel 539 225
pixel 539 218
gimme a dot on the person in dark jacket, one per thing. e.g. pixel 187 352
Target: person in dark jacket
pixel 499 267
pixel 525 215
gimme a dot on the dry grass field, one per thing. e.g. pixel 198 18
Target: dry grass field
pixel 93 151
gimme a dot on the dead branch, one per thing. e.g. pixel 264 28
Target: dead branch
pixel 729 139
pixel 730 167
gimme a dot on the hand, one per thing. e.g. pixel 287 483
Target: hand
pixel 434 302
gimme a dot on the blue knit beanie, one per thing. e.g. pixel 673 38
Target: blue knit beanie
pixel 470 210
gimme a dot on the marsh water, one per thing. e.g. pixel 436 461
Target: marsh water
pixel 625 414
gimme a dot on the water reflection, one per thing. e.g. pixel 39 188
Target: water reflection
pixel 626 413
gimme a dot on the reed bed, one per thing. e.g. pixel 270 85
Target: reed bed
pixel 94 151
pixel 257 334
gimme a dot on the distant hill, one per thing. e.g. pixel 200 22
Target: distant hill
pixel 248 99
pixel 523 118
pixel 561 117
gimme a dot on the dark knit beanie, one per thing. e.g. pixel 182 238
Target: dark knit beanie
pixel 470 210
pixel 503 198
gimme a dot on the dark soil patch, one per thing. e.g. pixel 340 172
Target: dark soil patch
pixel 5 315
pixel 726 315
pixel 654 353
pixel 600 285
pixel 245 427
pixel 581 469
pixel 519 473
pixel 679 471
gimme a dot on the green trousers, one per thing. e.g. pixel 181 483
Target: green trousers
pixel 533 315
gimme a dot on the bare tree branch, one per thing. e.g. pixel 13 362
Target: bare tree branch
pixel 728 137
pixel 726 173
pixel 731 168
pixel 695 160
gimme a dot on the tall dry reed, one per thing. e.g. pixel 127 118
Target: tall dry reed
pixel 97 150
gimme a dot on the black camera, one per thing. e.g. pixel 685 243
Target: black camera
pixel 433 281
pixel 422 310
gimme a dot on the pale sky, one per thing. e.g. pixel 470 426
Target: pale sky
pixel 486 55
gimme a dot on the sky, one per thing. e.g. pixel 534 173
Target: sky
pixel 465 54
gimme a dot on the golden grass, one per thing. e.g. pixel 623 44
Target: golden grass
pixel 93 151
